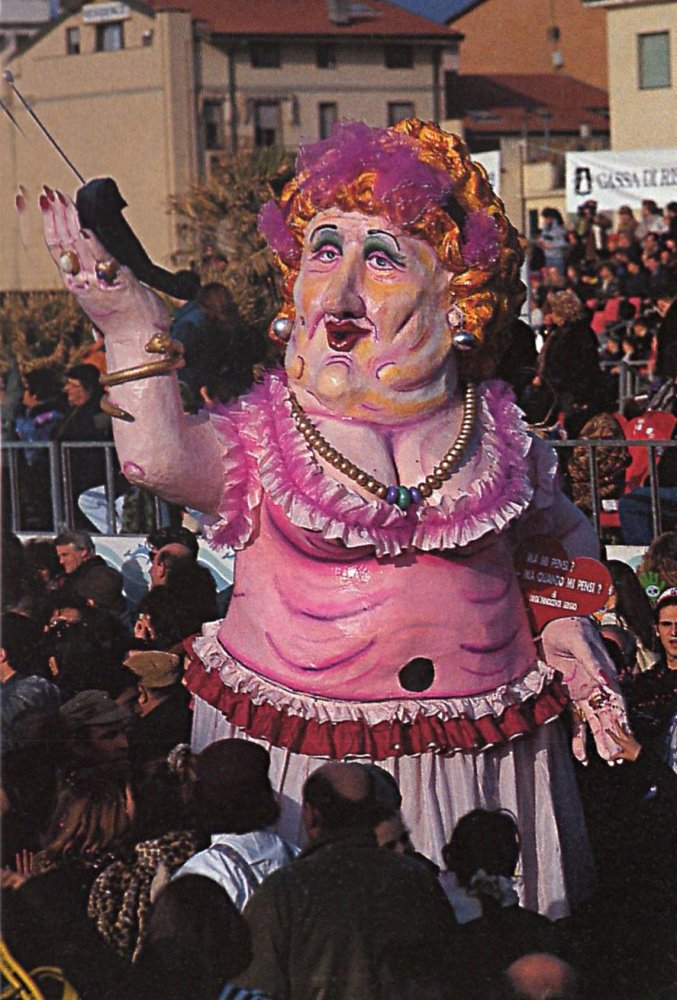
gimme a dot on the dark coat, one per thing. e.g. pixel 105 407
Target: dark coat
pixel 95 580
pixel 348 919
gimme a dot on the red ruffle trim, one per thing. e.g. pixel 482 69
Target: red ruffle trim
pixel 392 738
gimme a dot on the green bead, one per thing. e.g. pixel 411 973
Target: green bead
pixel 403 498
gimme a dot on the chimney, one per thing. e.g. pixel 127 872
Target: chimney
pixel 338 11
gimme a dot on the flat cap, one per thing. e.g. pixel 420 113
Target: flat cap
pixel 154 668
pixel 91 708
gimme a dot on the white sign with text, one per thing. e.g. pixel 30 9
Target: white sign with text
pixel 613 178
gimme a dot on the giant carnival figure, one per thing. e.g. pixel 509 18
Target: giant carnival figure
pixel 375 490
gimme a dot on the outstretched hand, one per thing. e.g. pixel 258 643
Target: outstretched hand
pixel 115 301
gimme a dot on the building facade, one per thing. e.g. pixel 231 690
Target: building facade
pixel 151 93
pixel 642 45
pixel 531 36
pixel 19 21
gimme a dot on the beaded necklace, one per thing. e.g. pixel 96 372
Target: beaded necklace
pixel 400 496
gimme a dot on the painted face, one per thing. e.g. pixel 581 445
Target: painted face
pixel 370 339
pixel 667 632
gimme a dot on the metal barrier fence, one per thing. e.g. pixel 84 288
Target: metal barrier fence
pixel 655 450
pixel 63 501
pixel 632 382
pixel 16 470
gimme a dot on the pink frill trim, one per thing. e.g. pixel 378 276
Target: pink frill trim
pixel 263 451
pixel 336 729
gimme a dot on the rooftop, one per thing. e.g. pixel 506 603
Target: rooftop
pixel 510 102
pixel 319 18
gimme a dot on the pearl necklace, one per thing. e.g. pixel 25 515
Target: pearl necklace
pixel 401 496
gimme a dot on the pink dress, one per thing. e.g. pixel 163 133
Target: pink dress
pixel 359 631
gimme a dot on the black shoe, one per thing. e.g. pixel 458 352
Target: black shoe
pixel 100 204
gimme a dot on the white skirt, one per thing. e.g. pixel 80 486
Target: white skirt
pixel 531 776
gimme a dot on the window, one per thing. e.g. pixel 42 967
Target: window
pixel 72 41
pixel 265 56
pixel 399 56
pixel 267 124
pixel 325 56
pixel 654 60
pixel 398 110
pixel 212 118
pixel 328 115
pixel 110 37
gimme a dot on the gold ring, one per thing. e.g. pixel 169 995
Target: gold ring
pixel 69 262
pixel 107 270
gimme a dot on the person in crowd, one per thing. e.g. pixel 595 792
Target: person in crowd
pixel 23 684
pixel 627 223
pixel 235 808
pixel 84 421
pixel 608 286
pixel 539 976
pixel 176 609
pixel 629 610
pixel 652 699
pixel 635 281
pixel 553 239
pixel 89 575
pixel 197 942
pixel 96 730
pixel 483 853
pixel 160 537
pixel 31 772
pixel 569 364
pixel 162 712
pixel 78 661
pixel 635 508
pixel 45 919
pixel 658 274
pixel 670 219
pixel 164 837
pixel 165 559
pixel 43 412
pixel 651 220
pixel 657 570
pixel 338 922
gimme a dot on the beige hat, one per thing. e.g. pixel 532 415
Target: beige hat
pixel 154 668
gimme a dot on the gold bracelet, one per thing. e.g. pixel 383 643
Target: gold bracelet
pixel 149 370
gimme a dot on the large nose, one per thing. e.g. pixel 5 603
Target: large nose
pixel 342 296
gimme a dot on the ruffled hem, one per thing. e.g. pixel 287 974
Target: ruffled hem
pixel 269 454
pixel 337 729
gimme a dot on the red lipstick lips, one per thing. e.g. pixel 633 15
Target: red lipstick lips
pixel 342 335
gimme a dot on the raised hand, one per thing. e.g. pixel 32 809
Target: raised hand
pixel 114 300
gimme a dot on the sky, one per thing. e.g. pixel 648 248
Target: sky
pixel 436 10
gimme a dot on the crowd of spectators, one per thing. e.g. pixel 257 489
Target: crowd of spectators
pixel 141 869
pixel 603 359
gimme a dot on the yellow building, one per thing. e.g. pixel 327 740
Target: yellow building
pixel 532 36
pixel 642 44
pixel 149 93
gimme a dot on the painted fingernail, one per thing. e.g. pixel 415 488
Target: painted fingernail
pixel 62 198
pixel 20 203
pixel 44 202
pixel 49 192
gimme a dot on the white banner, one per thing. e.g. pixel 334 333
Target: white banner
pixel 491 161
pixel 613 178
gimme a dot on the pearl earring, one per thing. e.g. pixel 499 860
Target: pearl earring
pixel 281 328
pixel 463 340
